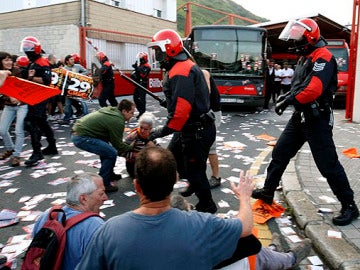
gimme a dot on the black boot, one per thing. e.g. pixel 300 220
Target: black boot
pixel 187 192
pixel 50 150
pixel 207 206
pixel 348 213
pixel 116 177
pixel 263 194
pixel 34 159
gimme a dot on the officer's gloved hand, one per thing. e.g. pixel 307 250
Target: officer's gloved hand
pixel 135 65
pixel 281 106
pixel 282 97
pixel 163 103
pixel 155 133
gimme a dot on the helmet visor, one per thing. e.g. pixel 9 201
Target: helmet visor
pixel 294 30
pixel 157 54
pixel 160 44
pixel 27 46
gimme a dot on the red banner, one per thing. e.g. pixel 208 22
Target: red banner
pixel 27 91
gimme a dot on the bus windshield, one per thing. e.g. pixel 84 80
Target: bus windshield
pixel 229 51
pixel 341 55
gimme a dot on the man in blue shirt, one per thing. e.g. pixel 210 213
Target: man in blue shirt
pixel 156 236
pixel 85 193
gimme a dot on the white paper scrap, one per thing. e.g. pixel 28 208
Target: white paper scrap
pixel 234 179
pixel 315 260
pixel 11 190
pixel 287 231
pixel 129 193
pixel 334 234
pixel 294 238
pixel 223 204
pixel 327 199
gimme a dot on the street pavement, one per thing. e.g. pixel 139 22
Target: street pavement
pixel 44 185
pixel 311 199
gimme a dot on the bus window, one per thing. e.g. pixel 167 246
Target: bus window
pixel 234 56
pixel 229 51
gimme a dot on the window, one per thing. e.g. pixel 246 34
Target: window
pixel 157 13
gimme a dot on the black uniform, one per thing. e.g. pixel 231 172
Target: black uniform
pixel 140 75
pixel 270 91
pixel 189 117
pixel 36 120
pixel 108 84
pixel 313 85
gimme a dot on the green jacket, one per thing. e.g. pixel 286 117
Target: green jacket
pixel 106 124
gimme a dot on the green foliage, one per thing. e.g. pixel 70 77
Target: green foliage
pixel 201 16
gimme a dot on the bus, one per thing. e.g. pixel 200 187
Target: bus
pixel 235 56
pixel 340 50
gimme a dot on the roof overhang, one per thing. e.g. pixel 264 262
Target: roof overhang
pixel 328 29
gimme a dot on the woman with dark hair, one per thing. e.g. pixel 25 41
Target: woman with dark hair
pixel 13 108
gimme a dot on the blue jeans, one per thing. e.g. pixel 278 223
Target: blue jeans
pixel 107 153
pixel 84 107
pixel 68 111
pixel 7 117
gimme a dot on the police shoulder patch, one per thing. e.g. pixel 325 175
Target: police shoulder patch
pixel 318 66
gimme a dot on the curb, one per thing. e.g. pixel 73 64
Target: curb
pixel 339 254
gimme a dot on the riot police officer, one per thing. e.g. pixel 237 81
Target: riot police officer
pixel 36 120
pixel 107 81
pixel 140 75
pixel 311 93
pixel 188 112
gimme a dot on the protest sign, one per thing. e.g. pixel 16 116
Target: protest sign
pixel 72 84
pixel 27 91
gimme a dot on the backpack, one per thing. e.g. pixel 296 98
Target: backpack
pixel 47 248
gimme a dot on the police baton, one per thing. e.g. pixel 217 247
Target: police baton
pixel 161 101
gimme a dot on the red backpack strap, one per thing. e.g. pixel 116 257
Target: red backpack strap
pixel 78 218
pixel 54 212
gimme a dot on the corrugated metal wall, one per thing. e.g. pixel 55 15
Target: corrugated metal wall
pixel 122 55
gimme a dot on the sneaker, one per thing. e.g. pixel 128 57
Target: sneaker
pixel 276 242
pixel 51 117
pixel 207 207
pixel 64 122
pixel 34 159
pixel 111 188
pixel 301 251
pixel 348 213
pixel 6 154
pixel 187 192
pixel 50 150
pixel 15 161
pixel 263 194
pixel 214 182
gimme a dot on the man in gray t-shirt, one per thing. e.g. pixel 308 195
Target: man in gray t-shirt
pixel 156 236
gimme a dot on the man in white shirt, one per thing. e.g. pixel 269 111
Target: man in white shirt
pixel 286 76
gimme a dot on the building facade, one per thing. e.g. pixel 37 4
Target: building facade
pixel 119 28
